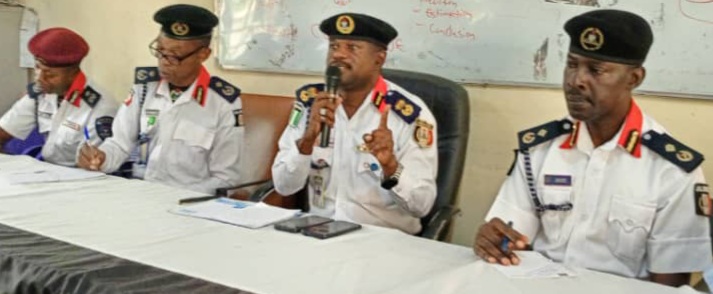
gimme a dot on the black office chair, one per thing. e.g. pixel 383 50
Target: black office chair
pixel 448 101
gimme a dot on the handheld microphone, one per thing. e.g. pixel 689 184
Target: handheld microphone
pixel 332 77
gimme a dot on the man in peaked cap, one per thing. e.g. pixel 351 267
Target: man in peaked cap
pixel 379 166
pixel 606 188
pixel 62 103
pixel 186 124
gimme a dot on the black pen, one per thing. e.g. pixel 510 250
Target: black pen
pixel 196 199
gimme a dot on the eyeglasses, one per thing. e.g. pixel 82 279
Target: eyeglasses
pixel 172 59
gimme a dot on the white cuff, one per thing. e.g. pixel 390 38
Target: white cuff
pixel 525 222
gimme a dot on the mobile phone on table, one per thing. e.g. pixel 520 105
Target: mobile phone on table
pixel 296 225
pixel 331 229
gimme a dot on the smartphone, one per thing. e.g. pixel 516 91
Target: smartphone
pixel 331 229
pixel 295 225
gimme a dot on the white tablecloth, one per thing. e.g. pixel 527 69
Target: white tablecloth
pixel 129 219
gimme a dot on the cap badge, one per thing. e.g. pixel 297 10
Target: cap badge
pixel 180 29
pixel 345 24
pixel 591 39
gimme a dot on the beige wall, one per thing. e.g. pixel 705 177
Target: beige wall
pixel 13 78
pixel 120 31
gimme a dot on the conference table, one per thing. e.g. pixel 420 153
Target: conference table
pixel 114 235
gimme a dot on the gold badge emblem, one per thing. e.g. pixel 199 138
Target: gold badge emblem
pixel 670 148
pixel 228 91
pixel 591 39
pixel 141 75
pixel 345 25
pixel 542 133
pixel 528 138
pixel 423 134
pixel 407 110
pixel 180 29
pixel 684 156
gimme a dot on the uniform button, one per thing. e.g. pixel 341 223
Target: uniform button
pixel 629 222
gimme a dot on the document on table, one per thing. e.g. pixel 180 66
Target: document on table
pixel 240 213
pixel 48 173
pixel 534 265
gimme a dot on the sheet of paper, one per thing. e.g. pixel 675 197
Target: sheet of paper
pixel 48 173
pixel 534 265
pixel 244 214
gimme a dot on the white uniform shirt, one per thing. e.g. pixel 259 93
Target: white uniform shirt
pixel 350 180
pixel 63 125
pixel 630 215
pixel 193 144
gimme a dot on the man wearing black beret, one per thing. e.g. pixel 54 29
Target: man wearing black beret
pixel 605 188
pixel 187 124
pixel 379 165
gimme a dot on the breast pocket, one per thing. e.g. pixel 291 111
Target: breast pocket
pixel 69 135
pixel 553 220
pixel 191 145
pixel 628 229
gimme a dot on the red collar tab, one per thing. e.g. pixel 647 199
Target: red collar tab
pixel 572 138
pixel 201 90
pixel 74 94
pixel 630 138
pixel 379 98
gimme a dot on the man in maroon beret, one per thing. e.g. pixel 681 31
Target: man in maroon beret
pixel 61 102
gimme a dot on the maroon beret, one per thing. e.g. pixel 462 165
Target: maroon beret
pixel 58 47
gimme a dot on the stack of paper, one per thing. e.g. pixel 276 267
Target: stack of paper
pixel 533 265
pixel 244 214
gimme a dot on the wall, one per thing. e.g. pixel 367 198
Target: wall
pixel 120 31
pixel 14 78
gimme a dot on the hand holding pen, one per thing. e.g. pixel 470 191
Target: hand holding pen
pixel 496 240
pixel 90 157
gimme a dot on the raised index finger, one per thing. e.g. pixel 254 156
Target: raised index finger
pixel 385 117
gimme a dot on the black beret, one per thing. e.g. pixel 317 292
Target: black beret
pixel 610 35
pixel 183 21
pixel 359 27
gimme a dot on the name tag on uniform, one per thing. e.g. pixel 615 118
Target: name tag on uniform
pixel 72 125
pixel 558 180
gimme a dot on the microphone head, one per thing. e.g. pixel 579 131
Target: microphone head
pixel 333 75
pixel 333 71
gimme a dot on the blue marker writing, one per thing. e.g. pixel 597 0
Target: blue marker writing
pixel 506 241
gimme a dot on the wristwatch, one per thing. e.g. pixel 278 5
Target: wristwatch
pixel 393 180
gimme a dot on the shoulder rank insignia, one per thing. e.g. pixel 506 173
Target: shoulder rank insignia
pixel 34 90
pixel 672 150
pixel 90 96
pixel 307 93
pixel 145 75
pixel 402 106
pixel 224 89
pixel 535 136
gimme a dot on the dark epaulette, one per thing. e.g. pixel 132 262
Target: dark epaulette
pixel 672 150
pixel 145 75
pixel 224 89
pixel 307 93
pixel 402 106
pixel 90 96
pixel 33 90
pixel 535 136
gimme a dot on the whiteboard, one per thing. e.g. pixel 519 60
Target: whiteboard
pixel 512 42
